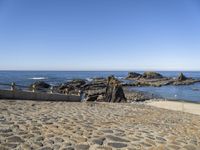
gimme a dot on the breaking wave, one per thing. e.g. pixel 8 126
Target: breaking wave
pixel 38 78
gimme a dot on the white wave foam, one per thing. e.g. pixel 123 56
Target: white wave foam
pixel 120 78
pixel 38 78
pixel 89 79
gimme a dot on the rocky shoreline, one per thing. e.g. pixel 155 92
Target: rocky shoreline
pixel 157 80
pixel 113 90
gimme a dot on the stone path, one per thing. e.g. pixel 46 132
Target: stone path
pixel 26 125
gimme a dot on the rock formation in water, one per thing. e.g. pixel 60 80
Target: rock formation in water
pixel 181 77
pixel 40 85
pixel 114 91
pixel 133 75
pixel 152 75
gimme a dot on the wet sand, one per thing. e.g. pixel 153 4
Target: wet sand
pixel 34 125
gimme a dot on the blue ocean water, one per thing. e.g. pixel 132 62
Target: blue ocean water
pixel 25 78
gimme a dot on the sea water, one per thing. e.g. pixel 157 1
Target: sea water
pixel 25 78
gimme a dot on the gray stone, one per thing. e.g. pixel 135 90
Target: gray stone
pixel 46 148
pixel 68 148
pixel 114 138
pixel 56 147
pixel 98 141
pixel 40 138
pixel 15 139
pixel 5 130
pixel 82 147
pixel 60 140
pixel 10 145
pixel 107 131
pixel 117 145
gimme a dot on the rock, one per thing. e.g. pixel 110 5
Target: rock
pixel 40 138
pixel 99 80
pixel 46 148
pixel 152 75
pixel 10 145
pixel 15 139
pixel 138 96
pixel 117 145
pixel 114 91
pixel 71 87
pixel 59 140
pixel 40 85
pixel 98 141
pixel 82 147
pixel 181 77
pixel 91 98
pixel 68 148
pixel 132 75
pixel 5 130
pixel 114 138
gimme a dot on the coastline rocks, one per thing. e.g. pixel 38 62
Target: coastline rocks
pixel 133 75
pixel 181 77
pixel 157 80
pixel 152 75
pixel 71 87
pixel 114 91
pixel 39 85
pixel 137 96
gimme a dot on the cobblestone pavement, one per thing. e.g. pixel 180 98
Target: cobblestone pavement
pixel 26 125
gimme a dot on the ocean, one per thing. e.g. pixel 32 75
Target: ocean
pixel 25 78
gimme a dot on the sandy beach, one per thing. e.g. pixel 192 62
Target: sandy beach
pixel 27 125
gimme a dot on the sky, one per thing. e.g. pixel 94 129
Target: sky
pixel 100 35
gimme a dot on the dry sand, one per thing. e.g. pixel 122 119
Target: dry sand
pixel 26 125
pixel 192 108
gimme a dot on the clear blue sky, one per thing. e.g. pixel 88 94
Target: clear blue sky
pixel 99 35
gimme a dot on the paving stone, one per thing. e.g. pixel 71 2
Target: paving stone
pixel 15 139
pixel 114 138
pixel 5 130
pixel 117 145
pixel 82 147
pixel 46 148
pixel 10 145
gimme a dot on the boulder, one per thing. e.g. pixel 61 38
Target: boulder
pixel 152 75
pixel 132 75
pixel 77 83
pixel 181 77
pixel 114 91
pixel 71 87
pixel 40 85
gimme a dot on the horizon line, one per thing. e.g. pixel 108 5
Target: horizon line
pixel 106 70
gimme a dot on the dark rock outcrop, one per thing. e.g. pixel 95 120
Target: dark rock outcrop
pixel 71 87
pixel 114 91
pixel 133 75
pixel 40 85
pixel 181 77
pixel 152 75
